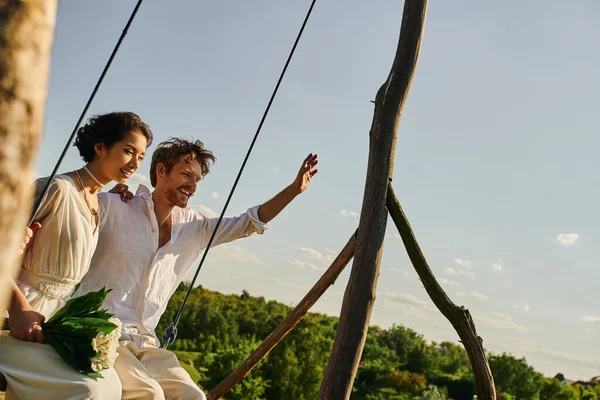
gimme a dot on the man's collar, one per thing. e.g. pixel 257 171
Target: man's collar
pixel 142 190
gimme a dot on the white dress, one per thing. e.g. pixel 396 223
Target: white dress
pixel 57 260
pixel 62 250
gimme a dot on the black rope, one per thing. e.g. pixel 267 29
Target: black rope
pixel 85 109
pixel 171 331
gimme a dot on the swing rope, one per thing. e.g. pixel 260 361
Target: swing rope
pixel 85 109
pixel 171 331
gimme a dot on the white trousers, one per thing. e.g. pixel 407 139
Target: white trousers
pixel 151 373
pixel 36 371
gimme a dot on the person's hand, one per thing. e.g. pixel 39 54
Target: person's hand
pixel 29 236
pixel 123 190
pixel 26 324
pixel 306 173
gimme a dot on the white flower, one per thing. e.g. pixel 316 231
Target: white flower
pixel 106 347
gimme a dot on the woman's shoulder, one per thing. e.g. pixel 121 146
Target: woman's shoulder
pixel 60 184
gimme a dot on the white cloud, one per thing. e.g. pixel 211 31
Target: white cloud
pixel 134 181
pixel 296 263
pixel 408 299
pixel 477 295
pixel 201 208
pixel 450 271
pixel 313 254
pixel 448 282
pixel 140 177
pixel 275 169
pixel 216 195
pixel 395 269
pixel 318 261
pixel 497 267
pixel 468 274
pixel 568 357
pixel 463 263
pixel 500 316
pixel 480 296
pixel 230 252
pixel 567 239
pixel 499 321
pixel 590 318
pixel 304 264
pixel 349 214
pixel 524 307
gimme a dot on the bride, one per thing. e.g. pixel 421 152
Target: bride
pixel 112 146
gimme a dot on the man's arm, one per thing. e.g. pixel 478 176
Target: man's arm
pixel 273 207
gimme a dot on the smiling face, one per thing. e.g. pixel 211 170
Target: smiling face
pixel 119 161
pixel 179 184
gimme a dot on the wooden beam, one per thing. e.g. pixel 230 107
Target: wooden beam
pixel 328 278
pixel 360 292
pixel 459 317
pixel 26 35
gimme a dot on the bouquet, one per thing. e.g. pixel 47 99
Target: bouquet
pixel 85 336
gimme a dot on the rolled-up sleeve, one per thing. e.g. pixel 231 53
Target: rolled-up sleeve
pixel 232 228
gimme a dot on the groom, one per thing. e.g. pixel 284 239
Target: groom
pixel 168 237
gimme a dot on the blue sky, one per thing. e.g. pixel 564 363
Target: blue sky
pixel 496 163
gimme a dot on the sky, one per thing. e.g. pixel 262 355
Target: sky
pixel 496 162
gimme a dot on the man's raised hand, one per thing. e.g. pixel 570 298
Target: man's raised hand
pixel 306 173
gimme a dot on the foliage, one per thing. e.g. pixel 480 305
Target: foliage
pixel 217 332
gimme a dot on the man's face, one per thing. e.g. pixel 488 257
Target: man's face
pixel 180 183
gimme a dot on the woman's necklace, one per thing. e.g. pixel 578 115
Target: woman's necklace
pixel 94 212
pixel 93 177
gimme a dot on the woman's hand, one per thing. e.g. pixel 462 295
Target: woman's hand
pixel 25 323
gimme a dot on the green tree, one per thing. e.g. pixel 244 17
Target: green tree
pixel 252 387
pixel 515 376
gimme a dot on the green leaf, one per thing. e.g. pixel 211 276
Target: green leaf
pixel 95 375
pixel 82 305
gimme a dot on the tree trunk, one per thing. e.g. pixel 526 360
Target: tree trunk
pixel 459 317
pixel 26 34
pixel 360 293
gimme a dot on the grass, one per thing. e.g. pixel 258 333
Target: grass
pixel 186 359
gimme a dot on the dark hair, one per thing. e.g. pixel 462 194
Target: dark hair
pixel 170 152
pixel 108 129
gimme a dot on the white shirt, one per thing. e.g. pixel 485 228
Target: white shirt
pixel 142 276
pixel 60 255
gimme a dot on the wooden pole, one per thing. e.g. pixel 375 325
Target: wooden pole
pixel 360 292
pixel 328 278
pixel 26 34
pixel 459 317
